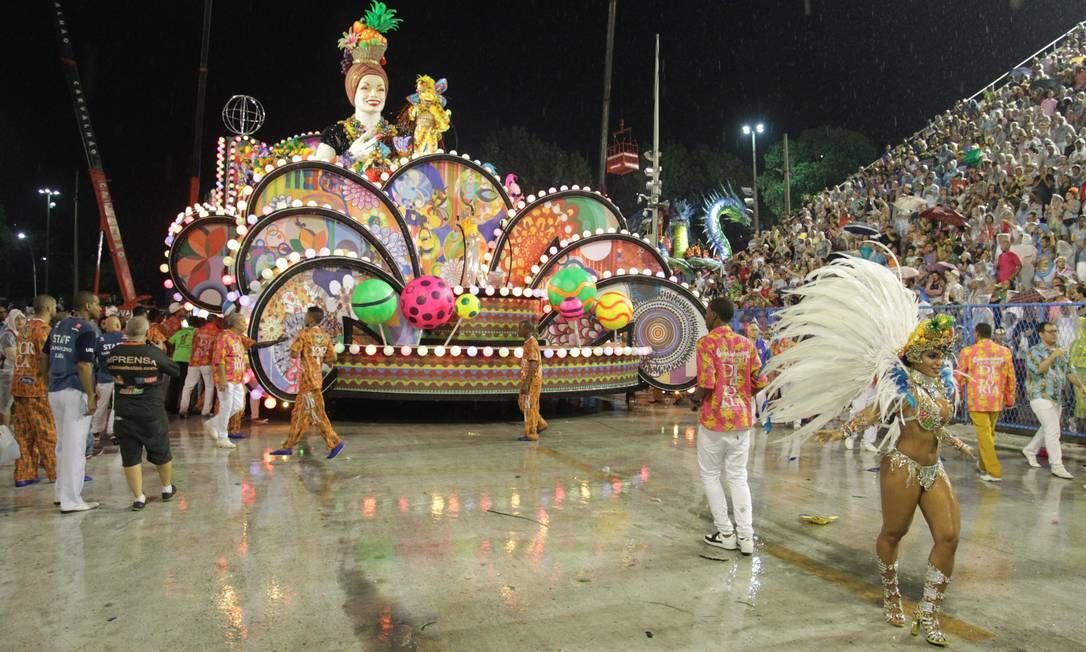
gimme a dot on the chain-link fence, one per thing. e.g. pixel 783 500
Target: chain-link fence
pixel 1014 326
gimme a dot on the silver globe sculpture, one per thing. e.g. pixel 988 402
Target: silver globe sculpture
pixel 243 115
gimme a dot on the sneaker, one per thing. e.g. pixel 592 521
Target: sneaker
pixel 1059 471
pixel 746 545
pixel 182 415
pixel 235 435
pixel 721 540
pixel 849 443
pixel 167 497
pixel 335 451
pixel 282 451
pixel 870 448
pixel 990 478
pixel 225 443
pixel 85 507
pixel 26 483
pixel 1031 458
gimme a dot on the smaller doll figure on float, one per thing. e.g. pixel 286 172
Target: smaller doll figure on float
pixel 427 109
pixel 364 141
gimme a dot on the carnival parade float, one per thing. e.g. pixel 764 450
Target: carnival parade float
pixel 423 263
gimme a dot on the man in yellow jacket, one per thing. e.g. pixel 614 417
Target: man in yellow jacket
pixel 988 373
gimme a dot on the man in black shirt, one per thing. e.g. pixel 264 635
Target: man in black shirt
pixel 141 423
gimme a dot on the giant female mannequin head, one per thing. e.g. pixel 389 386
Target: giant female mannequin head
pixel 366 85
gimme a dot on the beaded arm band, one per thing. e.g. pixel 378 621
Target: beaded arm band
pixel 954 442
pixel 869 416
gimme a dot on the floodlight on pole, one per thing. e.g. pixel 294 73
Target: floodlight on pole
pixel 49 206
pixel 33 261
pixel 753 133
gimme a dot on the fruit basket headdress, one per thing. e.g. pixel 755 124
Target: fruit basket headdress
pixel 364 45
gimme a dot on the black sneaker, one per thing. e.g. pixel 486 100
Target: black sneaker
pixel 719 540
pixel 166 497
pixel 137 505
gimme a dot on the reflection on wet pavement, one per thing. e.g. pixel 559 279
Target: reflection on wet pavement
pixel 457 537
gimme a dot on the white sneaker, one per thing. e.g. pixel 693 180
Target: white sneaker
pixel 849 443
pixel 720 540
pixel 225 443
pixel 870 448
pixel 990 478
pixel 746 545
pixel 85 507
pixel 1059 471
pixel 1031 458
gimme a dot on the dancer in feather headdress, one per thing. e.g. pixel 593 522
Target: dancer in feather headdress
pixel 856 322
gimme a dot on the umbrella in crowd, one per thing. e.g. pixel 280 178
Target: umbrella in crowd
pixel 943 266
pixel 1034 295
pixel 863 229
pixel 1021 73
pixel 1047 84
pixel 944 215
pixel 906 272
pixel 909 204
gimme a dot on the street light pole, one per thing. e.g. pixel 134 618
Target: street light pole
pixel 33 262
pixel 49 204
pixel 758 128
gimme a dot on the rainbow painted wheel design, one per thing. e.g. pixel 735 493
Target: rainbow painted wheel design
pixel 670 324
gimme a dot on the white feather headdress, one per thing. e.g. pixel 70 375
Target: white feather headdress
pixel 848 328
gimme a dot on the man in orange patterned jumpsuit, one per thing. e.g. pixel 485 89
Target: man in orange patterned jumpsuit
pixel 32 418
pixel 531 383
pixel 988 370
pixel 312 348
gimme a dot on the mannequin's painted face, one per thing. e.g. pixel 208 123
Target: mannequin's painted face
pixel 370 95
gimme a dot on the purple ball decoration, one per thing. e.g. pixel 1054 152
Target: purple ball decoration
pixel 571 308
pixel 427 302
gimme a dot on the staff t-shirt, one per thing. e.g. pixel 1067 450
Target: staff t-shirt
pixel 105 344
pixel 71 342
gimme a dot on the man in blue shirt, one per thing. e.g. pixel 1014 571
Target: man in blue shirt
pixel 71 348
pixel 101 424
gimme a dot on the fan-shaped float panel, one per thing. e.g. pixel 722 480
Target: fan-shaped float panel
pixel 280 310
pixel 668 318
pixel 318 184
pixel 437 195
pixel 301 230
pixel 609 252
pixel 196 260
pixel 547 221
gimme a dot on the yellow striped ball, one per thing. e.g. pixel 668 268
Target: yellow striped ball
pixel 614 310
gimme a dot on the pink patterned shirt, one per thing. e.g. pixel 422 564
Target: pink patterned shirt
pixel 728 365
pixel 990 385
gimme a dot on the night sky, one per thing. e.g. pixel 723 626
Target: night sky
pixel 879 67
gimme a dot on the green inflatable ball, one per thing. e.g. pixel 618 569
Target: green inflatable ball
pixel 374 301
pixel 573 282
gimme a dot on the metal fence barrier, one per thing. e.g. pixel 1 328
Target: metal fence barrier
pixel 1013 326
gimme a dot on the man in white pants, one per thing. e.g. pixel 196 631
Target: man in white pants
pixel 728 374
pixel 229 362
pixel 199 371
pixel 71 348
pixel 1047 369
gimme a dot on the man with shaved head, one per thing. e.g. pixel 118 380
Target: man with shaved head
pixel 72 347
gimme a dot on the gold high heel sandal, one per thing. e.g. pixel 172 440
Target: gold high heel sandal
pixel 925 618
pixel 891 596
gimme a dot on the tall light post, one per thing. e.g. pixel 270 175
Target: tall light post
pixel 33 263
pixel 49 206
pixel 753 133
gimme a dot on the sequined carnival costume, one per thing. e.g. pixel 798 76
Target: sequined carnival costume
pixel 856 321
